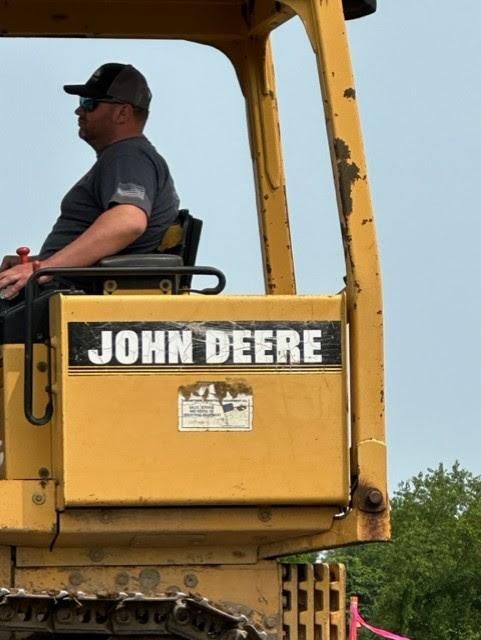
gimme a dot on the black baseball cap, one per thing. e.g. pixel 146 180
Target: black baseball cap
pixel 116 81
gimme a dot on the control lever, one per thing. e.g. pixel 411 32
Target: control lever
pixel 23 253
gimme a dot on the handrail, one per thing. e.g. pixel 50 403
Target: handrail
pixel 31 292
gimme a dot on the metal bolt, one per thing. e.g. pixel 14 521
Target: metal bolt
pixel 96 555
pixel 39 498
pixel 110 286
pixel 165 286
pixel 374 498
pixel 122 579
pixel 42 366
pixel 122 616
pixel 149 578
pixel 44 473
pixel 64 615
pixel 191 580
pixel 270 622
pixel 265 515
pixel 75 579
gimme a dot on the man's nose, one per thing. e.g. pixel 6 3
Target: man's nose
pixel 78 111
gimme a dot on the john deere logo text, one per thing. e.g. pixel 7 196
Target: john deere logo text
pixel 205 344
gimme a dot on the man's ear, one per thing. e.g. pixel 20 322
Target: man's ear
pixel 123 114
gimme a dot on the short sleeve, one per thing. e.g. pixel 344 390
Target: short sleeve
pixel 127 178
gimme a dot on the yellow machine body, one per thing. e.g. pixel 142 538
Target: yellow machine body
pixel 196 440
pixel 210 432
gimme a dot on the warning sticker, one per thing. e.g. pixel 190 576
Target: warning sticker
pixel 215 406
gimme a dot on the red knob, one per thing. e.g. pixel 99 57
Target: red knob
pixel 23 252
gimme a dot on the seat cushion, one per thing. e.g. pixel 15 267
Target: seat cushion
pixel 147 260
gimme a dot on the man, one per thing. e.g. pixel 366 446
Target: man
pixel 127 199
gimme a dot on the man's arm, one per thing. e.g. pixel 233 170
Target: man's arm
pixel 112 231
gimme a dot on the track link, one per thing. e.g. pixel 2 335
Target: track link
pixel 121 614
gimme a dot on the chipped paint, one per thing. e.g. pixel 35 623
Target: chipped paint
pixel 221 389
pixel 350 93
pixel 349 173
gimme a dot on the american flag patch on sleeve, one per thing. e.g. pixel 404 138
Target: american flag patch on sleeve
pixel 130 190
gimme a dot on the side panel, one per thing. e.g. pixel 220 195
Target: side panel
pixel 26 447
pixel 134 430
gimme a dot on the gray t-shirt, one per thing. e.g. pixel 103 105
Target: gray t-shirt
pixel 126 172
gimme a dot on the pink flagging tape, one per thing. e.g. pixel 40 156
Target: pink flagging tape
pixel 357 621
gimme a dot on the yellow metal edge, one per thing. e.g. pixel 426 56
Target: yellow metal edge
pixel 192 520
pixel 27 512
pixel 104 556
pixel 357 526
pixel 137 19
pixel 223 307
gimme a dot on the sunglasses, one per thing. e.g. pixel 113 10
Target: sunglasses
pixel 90 104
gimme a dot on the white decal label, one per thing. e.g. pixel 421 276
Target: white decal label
pixel 215 407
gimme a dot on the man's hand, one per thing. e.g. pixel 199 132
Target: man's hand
pixel 8 262
pixel 14 279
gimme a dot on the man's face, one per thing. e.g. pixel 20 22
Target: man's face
pixel 97 127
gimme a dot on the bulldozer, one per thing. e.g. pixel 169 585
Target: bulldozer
pixel 165 449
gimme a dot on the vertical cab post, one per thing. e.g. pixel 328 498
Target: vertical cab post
pixel 326 28
pixel 252 59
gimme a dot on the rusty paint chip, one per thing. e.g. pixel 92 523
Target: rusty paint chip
pixel 349 173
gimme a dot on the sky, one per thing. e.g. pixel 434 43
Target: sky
pixel 417 68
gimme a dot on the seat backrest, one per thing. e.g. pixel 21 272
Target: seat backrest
pixel 182 239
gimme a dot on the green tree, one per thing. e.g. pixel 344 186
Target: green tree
pixel 426 583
